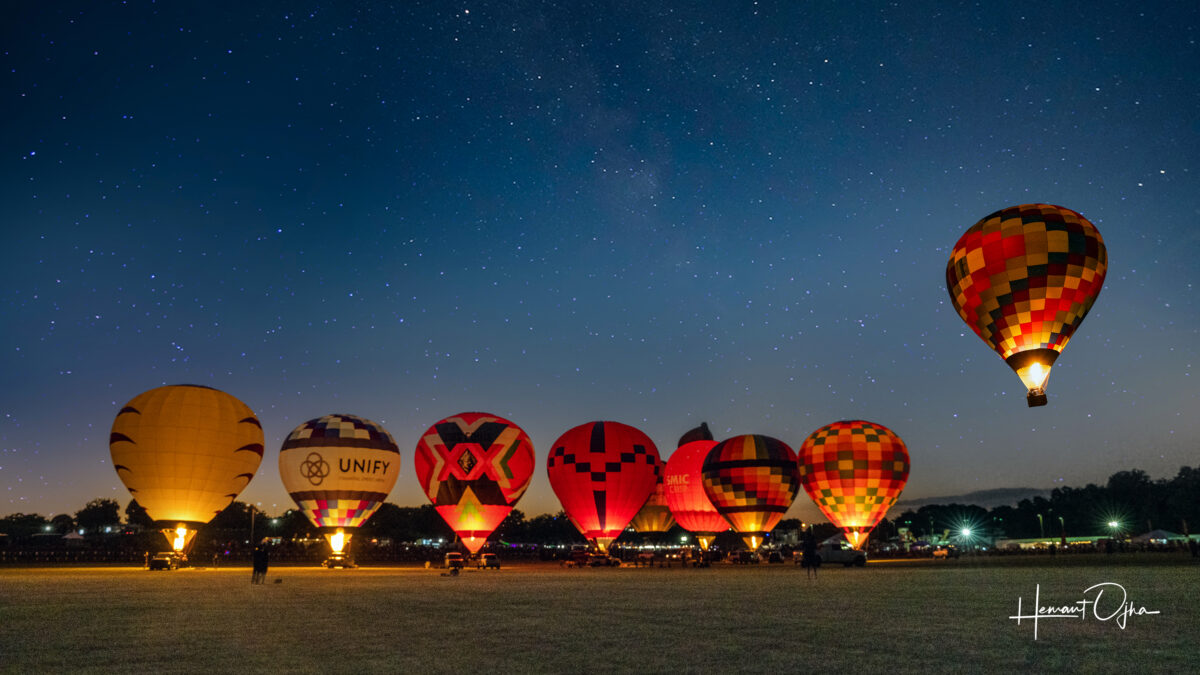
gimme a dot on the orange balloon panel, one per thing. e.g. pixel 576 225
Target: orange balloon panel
pixel 185 452
pixel 854 471
pixel 655 515
pixel 339 469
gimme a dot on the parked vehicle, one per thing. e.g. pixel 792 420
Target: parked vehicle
pixel 166 560
pixel 487 560
pixel 454 561
pixel 837 550
pixel 603 560
pixel 745 558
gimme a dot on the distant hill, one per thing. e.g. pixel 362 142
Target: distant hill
pixel 988 499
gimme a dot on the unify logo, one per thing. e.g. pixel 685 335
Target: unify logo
pixel 1103 602
pixel 314 468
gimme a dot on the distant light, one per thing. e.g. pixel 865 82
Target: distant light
pixel 966 532
pixel 1113 524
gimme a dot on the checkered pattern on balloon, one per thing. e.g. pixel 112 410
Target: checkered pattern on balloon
pixel 855 471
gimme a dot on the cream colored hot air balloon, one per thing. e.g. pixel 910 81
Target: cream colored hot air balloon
pixel 185 452
pixel 339 469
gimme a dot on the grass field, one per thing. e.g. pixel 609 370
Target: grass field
pixel 887 617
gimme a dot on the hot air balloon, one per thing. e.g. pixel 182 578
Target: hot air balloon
pixel 854 471
pixel 655 515
pixel 1023 278
pixel 602 472
pixel 752 481
pixel 474 467
pixel 185 452
pixel 683 485
pixel 339 469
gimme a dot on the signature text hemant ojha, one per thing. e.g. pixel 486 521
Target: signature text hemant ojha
pixel 1103 602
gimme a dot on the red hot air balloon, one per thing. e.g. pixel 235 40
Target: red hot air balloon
pixel 602 472
pixel 1023 278
pixel 474 467
pixel 655 515
pixel 854 471
pixel 683 485
pixel 752 481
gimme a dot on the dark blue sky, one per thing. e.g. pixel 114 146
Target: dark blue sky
pixel 734 212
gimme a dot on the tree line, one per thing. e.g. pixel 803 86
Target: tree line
pixel 1130 502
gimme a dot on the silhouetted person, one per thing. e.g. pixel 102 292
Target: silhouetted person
pixel 811 560
pixel 1194 547
pixel 260 560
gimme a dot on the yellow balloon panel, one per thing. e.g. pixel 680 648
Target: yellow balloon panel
pixel 185 452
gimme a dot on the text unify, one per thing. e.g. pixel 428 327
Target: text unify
pixel 363 465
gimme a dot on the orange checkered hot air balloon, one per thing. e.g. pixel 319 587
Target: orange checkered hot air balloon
pixel 602 472
pixel 185 452
pixel 1023 278
pixel 854 471
pixel 751 480
pixel 474 467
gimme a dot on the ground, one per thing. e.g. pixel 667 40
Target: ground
pixel 894 617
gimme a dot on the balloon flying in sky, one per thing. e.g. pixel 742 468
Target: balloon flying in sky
pixel 1023 278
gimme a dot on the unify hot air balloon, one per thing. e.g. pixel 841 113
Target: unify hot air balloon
pixel 1023 279
pixel 683 484
pixel 752 481
pixel 474 467
pixel 602 472
pixel 339 469
pixel 185 452
pixel 655 515
pixel 854 471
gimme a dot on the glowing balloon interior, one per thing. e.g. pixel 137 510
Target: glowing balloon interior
pixel 474 467
pixel 185 452
pixel 751 480
pixel 602 473
pixel 1023 279
pixel 339 469
pixel 854 471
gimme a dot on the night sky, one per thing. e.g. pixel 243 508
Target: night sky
pixel 562 212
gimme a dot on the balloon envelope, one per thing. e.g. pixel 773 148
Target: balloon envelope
pixel 602 472
pixel 185 452
pixel 339 469
pixel 854 470
pixel 752 481
pixel 474 467
pixel 1023 279
pixel 655 515
pixel 683 486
